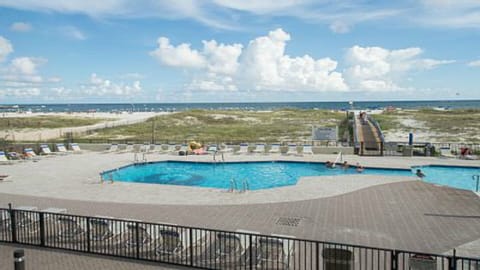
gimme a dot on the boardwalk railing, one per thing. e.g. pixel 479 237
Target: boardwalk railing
pixel 207 248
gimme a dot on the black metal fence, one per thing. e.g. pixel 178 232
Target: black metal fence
pixel 207 248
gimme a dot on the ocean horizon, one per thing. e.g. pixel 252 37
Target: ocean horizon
pixel 256 106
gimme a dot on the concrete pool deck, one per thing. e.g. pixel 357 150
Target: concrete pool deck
pixel 77 177
pixel 388 212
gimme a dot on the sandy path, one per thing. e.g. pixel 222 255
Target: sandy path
pixel 112 120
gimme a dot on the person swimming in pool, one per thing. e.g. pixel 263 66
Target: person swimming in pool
pixel 345 165
pixel 329 164
pixel 420 174
pixel 359 168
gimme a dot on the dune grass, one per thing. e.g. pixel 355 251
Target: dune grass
pixel 45 121
pixel 225 126
pixel 443 126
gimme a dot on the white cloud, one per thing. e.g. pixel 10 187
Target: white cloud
pixel 20 27
pixel 5 48
pixel 474 63
pixel 380 69
pixel 449 13
pixel 261 65
pixel 73 32
pixel 26 65
pixel 339 27
pixel 20 92
pixel 180 56
pixel 98 86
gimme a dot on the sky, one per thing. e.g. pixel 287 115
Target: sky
pixel 111 51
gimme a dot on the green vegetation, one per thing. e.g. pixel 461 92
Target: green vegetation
pixel 44 121
pixel 433 125
pixel 225 125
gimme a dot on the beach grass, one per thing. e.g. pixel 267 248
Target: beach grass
pixel 225 126
pixel 438 125
pixel 46 121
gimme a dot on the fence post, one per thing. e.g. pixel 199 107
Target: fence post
pixel 137 234
pixel 251 251
pixel 42 228
pixel 13 224
pixel 394 260
pixel 88 234
pixel 317 254
pixel 191 246
pixel 19 259
pixel 452 261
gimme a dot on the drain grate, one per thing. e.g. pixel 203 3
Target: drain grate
pixel 288 221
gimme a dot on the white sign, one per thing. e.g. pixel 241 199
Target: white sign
pixel 324 133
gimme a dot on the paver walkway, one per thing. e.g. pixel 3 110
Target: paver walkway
pixel 411 215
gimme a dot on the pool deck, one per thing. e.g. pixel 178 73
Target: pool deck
pixel 382 211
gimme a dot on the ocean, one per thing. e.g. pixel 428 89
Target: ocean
pixel 169 107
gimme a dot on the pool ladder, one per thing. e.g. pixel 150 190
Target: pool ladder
pixel 137 160
pixel 234 186
pixel 215 156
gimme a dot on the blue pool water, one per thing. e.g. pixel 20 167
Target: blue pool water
pixel 457 177
pixel 263 175
pixel 260 175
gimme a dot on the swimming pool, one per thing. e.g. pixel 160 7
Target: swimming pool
pixel 453 176
pixel 264 175
pixel 258 175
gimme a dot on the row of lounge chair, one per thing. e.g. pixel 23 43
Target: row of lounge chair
pixel 306 149
pixel 30 154
pixel 169 240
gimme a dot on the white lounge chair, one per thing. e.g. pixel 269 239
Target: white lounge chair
pixel 145 148
pixel 70 227
pixel 128 148
pixel 307 149
pixel 175 241
pixel 243 149
pixel 30 154
pixel 113 148
pixel 102 228
pixel 4 159
pixel 230 247
pixel 24 216
pixel 172 149
pixel 212 149
pixel 45 150
pixel 292 149
pixel 61 149
pixel 224 148
pixel 446 153
pixel 259 149
pixel 148 236
pixel 274 148
pixel 157 148
pixel 184 148
pixel 75 148
pixel 274 252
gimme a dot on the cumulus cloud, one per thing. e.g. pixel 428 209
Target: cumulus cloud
pixel 261 65
pixel 20 27
pixel 98 86
pixel 179 56
pixel 474 63
pixel 5 48
pixel 26 65
pixel 379 69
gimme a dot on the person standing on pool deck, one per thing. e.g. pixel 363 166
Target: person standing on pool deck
pixel 420 174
